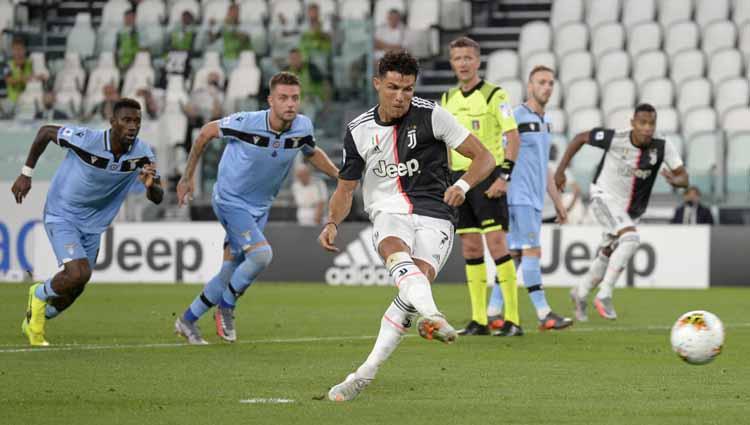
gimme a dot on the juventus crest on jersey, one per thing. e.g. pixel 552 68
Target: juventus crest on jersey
pixel 628 172
pixel 403 163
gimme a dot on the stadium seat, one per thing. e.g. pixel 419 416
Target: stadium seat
pixel 731 93
pixel 570 38
pixel 149 13
pixel 736 120
pixel 618 94
pixel 649 65
pixel 244 81
pixel 354 9
pixel 701 160
pixel 744 43
pixel 29 101
pixel 580 94
pixel 422 37
pixel 566 11
pixel 606 37
pixel 671 11
pixel 455 14
pixel 575 66
pixel 718 35
pixel 382 7
pixel 112 14
pixel 558 120
pixel 140 75
pixel 644 37
pixel 175 95
pixel 214 10
pixel 539 58
pixel 612 66
pixel 697 120
pixel 693 93
pixel 681 36
pixel 635 12
pixel 619 118
pixel 667 120
pixel 583 120
pixel 104 73
pixel 7 17
pixel 601 12
pixel 687 64
pixel 81 39
pixel 724 64
pixel 180 6
pixel 556 99
pixel 69 100
pixel 39 64
pixel 535 36
pixel 253 12
pixel 72 74
pixel 709 11
pixel 502 65
pixel 659 92
pixel 211 63
pixel 741 13
pixel 738 164
pixel 515 89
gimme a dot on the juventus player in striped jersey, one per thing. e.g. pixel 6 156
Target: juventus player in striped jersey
pixel 619 196
pixel 398 150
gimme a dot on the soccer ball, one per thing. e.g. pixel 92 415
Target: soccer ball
pixel 697 337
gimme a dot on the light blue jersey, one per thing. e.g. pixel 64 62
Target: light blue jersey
pixel 90 185
pixel 529 179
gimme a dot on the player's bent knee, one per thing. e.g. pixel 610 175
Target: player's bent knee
pixel 260 257
pixel 78 272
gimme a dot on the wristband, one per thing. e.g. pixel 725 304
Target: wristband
pixel 27 171
pixel 334 225
pixel 507 166
pixel 461 184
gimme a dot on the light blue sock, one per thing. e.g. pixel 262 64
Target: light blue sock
pixel 50 312
pixel 211 294
pixel 532 280
pixel 44 291
pixel 496 303
pixel 255 262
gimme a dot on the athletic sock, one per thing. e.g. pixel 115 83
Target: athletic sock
pixel 495 306
pixel 476 280
pixel 211 294
pixel 255 262
pixel 594 277
pixel 627 243
pixel 414 287
pixel 506 273
pixel 532 280
pixel 50 312
pixel 45 292
pixel 394 324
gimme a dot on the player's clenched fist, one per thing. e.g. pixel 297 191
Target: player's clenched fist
pixel 327 238
pixel 21 188
pixel 454 196
pixel 560 180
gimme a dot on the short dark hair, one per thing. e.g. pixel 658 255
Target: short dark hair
pixel 399 61
pixel 541 68
pixel 17 39
pixel 465 42
pixel 644 107
pixel 693 189
pixel 283 78
pixel 125 103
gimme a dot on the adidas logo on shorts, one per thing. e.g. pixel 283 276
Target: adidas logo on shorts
pixel 358 264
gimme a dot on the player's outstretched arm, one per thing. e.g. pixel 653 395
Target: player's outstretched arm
pixel 322 162
pixel 22 185
pixel 338 208
pixel 186 185
pixel 573 147
pixel 482 164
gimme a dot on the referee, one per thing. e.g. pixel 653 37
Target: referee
pixel 485 110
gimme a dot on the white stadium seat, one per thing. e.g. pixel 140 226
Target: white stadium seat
pixel 244 81
pixel 175 96
pixel 698 120
pixel 557 118
pixel 731 93
pixel 576 65
pixel 709 11
pixel 602 11
pixel 738 164
pixel 744 42
pixel 741 12
pixel 681 36
pixel 81 39
pixel 150 12
pixel 667 120
pixel 659 92
pixel 736 120
pixel 211 64
pixel 104 73
pixel 455 14
pixel 354 9
pixel 215 10
pixel 140 75
pixel 612 66
pixel 515 89
pixel 718 35
pixel 113 13
pixel 29 101
pixel 584 120
pixel 565 11
pixel 423 14
pixel 649 65
pixel 701 160
pixel 687 64
pixel 607 37
pixel 644 37
pixel 693 93
pixel 7 17
pixel 671 11
pixel 724 64
pixel 39 64
pixel 535 36
pixel 618 94
pixel 571 37
pixel 501 65
pixel 581 94
pixel 72 74
pixel 555 101
pixel 253 12
pixel 619 118
pixel 635 12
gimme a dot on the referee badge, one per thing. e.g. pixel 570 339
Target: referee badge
pixel 475 125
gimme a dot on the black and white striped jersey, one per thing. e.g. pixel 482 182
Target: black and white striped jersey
pixel 627 172
pixel 403 164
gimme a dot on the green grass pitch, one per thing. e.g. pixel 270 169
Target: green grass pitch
pixel 116 361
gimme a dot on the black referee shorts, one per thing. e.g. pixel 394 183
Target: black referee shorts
pixel 480 214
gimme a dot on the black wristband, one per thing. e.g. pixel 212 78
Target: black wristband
pixel 334 225
pixel 507 166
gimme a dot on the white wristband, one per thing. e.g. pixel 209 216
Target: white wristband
pixel 461 184
pixel 27 171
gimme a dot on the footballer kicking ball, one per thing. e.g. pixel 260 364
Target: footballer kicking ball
pixel 697 337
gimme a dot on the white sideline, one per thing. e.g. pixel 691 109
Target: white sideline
pixel 266 401
pixel 87 347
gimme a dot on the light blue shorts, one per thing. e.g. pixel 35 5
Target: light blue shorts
pixel 525 226
pixel 243 226
pixel 70 244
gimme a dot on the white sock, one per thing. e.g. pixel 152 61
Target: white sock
pixel 394 324
pixel 626 246
pixel 594 277
pixel 414 287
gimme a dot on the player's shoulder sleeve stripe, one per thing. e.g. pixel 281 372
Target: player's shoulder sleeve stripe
pixel 367 116
pixel 422 103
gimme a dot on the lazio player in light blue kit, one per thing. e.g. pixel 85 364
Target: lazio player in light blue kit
pixel 260 151
pixel 526 198
pixel 86 193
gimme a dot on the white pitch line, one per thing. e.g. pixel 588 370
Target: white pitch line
pixel 266 401
pixel 89 347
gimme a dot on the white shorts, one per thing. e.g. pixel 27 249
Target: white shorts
pixel 429 239
pixel 611 215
